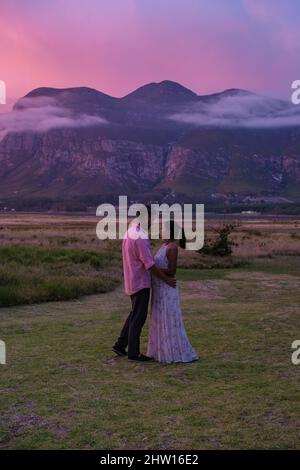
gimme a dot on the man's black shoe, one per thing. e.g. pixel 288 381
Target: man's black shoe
pixel 140 358
pixel 119 351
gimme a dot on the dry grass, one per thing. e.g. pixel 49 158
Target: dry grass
pixel 36 282
pixel 262 238
pixel 54 258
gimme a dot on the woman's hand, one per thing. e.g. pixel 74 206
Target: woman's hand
pixel 171 281
pixel 158 272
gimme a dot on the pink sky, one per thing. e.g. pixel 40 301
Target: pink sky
pixel 117 45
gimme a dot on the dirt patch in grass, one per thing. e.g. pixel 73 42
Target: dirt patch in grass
pixel 266 280
pixel 285 311
pixel 205 289
pixel 19 424
pixel 263 287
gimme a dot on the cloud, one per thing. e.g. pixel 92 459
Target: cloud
pixel 241 110
pixel 40 114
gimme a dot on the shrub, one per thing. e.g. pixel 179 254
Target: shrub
pixel 221 245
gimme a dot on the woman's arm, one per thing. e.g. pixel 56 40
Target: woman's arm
pixel 172 254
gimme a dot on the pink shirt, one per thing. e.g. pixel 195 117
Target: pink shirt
pixel 137 259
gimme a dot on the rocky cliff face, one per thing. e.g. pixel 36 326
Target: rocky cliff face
pixel 161 138
pixel 65 162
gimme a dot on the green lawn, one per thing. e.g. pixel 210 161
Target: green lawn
pixel 63 388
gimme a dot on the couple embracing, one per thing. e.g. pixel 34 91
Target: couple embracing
pixel 167 341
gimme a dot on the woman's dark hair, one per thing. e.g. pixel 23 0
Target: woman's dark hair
pixel 174 232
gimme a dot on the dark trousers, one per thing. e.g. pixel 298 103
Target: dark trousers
pixel 131 331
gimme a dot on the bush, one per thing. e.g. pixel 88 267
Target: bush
pixel 221 245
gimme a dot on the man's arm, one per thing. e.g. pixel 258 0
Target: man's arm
pixel 145 255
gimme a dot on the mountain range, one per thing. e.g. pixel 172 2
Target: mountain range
pixel 162 142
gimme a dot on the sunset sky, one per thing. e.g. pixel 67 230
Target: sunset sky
pixel 118 45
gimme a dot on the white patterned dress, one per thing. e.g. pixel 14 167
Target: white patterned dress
pixel 168 341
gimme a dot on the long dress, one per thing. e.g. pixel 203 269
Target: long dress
pixel 167 341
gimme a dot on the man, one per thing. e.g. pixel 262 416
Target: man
pixel 138 265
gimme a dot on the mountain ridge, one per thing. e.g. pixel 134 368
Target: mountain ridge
pixel 93 143
pixel 167 85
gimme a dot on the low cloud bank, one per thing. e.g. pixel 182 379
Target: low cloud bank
pixel 41 114
pixel 244 110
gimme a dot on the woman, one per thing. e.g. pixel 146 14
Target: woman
pixel 168 341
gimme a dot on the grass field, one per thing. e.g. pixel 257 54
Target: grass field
pixel 52 257
pixel 63 388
